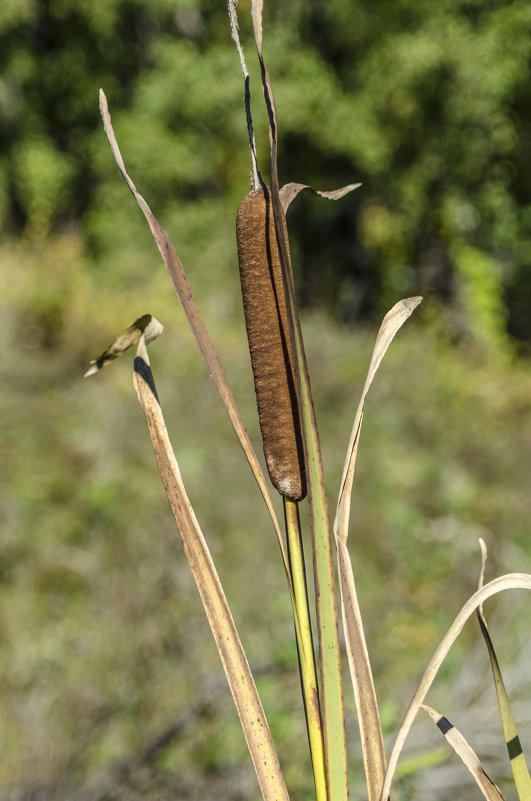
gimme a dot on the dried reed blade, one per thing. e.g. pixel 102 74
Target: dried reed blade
pixel 467 755
pixel 240 678
pixel 358 655
pixel 289 192
pixel 197 325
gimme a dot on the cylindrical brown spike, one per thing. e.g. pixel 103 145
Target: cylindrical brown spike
pixel 266 319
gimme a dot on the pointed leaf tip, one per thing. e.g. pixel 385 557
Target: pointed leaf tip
pixel 256 12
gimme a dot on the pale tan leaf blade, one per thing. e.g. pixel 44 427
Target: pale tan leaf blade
pixel 146 324
pixel 234 661
pixel 392 322
pixel 289 192
pixel 467 755
pixel 357 652
pixel 521 581
pixel 517 758
pixel 197 325
pixel 256 13
pixel 362 681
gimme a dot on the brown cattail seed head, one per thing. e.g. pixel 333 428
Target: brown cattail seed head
pixel 266 319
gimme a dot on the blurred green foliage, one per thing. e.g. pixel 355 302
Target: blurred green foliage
pixel 427 105
pixel 103 643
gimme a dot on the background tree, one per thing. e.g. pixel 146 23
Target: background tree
pixel 427 106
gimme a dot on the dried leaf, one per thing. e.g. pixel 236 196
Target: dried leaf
pixel 205 344
pixel 465 752
pixel 240 678
pixel 256 13
pixel 289 192
pixel 358 656
pixel 392 322
pixel 147 325
pixel 361 674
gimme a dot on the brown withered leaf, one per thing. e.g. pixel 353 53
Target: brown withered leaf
pixel 197 326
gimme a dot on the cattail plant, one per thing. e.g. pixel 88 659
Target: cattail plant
pixel 266 318
pixel 293 458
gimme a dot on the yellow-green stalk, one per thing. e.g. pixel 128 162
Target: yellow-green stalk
pixel 305 649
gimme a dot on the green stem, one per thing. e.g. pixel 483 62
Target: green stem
pixel 307 667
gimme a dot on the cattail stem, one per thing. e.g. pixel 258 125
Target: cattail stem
pixel 305 649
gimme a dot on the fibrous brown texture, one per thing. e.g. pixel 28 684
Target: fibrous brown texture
pixel 266 319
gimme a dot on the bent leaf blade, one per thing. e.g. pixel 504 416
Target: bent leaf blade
pixel 198 327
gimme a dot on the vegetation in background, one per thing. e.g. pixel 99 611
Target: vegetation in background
pixel 428 107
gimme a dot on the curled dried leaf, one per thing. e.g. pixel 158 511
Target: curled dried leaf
pixel 146 324
pixel 289 192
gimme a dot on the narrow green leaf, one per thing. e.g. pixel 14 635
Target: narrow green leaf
pixel 519 767
pixel 232 655
pixel 467 755
pixel 305 649
pixel 510 581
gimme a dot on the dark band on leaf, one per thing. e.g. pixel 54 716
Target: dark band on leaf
pixel 144 371
pixel 444 725
pixel 514 747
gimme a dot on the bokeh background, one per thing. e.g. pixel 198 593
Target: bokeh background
pixel 110 685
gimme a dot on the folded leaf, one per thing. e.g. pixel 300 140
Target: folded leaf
pixel 146 325
pixel 198 327
pixel 289 192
